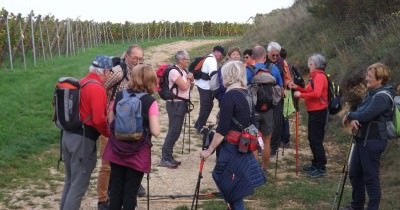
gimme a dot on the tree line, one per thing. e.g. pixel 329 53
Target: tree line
pixel 37 37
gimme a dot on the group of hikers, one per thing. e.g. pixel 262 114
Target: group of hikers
pixel 250 87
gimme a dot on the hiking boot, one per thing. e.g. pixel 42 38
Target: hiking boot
pixel 103 205
pixel 141 191
pixel 309 168
pixel 317 173
pixel 175 162
pixel 168 164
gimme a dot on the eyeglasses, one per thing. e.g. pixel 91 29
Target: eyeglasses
pixel 140 60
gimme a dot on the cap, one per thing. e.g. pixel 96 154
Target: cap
pixel 102 61
pixel 219 49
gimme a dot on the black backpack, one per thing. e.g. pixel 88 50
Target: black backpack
pixel 334 96
pixel 66 103
pixel 263 90
pixel 164 91
pixel 296 76
pixel 195 68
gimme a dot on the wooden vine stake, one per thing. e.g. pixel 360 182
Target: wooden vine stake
pixel 33 40
pixel 9 42
pixel 22 43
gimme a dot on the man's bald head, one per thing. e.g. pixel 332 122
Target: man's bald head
pixel 259 53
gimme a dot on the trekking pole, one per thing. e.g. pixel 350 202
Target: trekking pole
pixel 296 107
pixel 276 161
pixel 189 130
pixel 184 131
pixel 189 109
pixel 297 143
pixel 197 189
pixel 343 177
pixel 148 191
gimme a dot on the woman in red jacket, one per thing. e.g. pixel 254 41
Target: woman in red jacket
pixel 315 95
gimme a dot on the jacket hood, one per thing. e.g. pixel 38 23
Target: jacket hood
pixel 387 88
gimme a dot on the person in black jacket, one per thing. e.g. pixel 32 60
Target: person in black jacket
pixel 369 122
pixel 236 173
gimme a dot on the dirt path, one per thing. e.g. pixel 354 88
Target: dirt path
pixel 46 194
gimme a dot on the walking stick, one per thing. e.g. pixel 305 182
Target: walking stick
pixel 296 107
pixel 343 178
pixel 148 191
pixel 197 189
pixel 184 131
pixel 276 161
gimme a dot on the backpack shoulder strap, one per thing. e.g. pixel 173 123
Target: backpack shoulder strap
pixel 385 92
pixel 90 81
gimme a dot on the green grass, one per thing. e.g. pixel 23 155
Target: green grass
pixel 28 138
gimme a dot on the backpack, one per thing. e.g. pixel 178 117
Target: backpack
pixel 128 117
pixel 393 126
pixel 296 76
pixel 334 96
pixel 264 90
pixel 66 103
pixel 195 68
pixel 164 91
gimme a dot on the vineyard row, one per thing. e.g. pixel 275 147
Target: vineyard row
pixel 36 37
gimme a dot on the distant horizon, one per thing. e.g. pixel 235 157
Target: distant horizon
pixel 172 11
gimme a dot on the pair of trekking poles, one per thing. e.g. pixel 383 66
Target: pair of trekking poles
pixel 342 181
pixel 296 107
pixel 190 107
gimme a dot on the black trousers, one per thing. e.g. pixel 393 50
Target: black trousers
pixel 124 185
pixel 206 105
pixel 316 133
pixel 364 173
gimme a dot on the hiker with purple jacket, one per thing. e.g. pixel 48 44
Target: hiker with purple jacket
pixel 129 160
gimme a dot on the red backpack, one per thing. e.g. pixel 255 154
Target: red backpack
pixel 163 89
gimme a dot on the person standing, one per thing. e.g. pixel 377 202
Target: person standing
pixel 203 86
pixel 264 120
pixel 129 160
pixel 273 58
pixel 236 173
pixel 117 80
pixel 176 108
pixel 369 121
pixel 315 95
pixel 79 146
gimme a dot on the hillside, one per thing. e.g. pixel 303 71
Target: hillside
pixel 351 39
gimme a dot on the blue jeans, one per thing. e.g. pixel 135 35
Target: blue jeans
pixel 364 173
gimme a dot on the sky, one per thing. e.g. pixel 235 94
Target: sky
pixel 119 11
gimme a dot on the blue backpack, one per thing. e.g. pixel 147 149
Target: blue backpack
pixel 128 117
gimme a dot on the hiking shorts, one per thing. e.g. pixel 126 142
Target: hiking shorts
pixel 265 121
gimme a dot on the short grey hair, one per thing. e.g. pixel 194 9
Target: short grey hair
pixel 181 54
pixel 96 70
pixel 318 60
pixel 234 72
pixel 274 46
